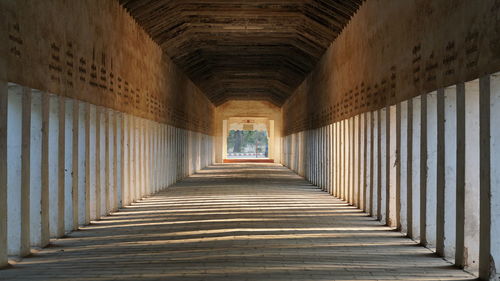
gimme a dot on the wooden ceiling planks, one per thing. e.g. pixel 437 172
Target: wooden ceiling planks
pixel 244 49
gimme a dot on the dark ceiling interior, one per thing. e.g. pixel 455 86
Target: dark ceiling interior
pixel 244 49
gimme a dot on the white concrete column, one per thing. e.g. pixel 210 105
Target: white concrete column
pixel 168 155
pixel 132 158
pixel 376 163
pixel 300 154
pixel 161 158
pixel 472 174
pixel 75 161
pixel 370 161
pixel 54 165
pixel 177 152
pixel 490 213
pixel 35 169
pixel 157 156
pixel 81 163
pixel 316 161
pixel 316 157
pixel 334 170
pixel 330 159
pixel 98 166
pixel 319 157
pixel 3 174
pixel 167 143
pixel 14 161
pixel 185 152
pixel 338 161
pixel 189 154
pixel 344 145
pixel 25 172
pixel 344 160
pixel 423 169
pixel 487 270
pixel 180 154
pixel 393 197
pixel 450 170
pixel 150 157
pixel 173 155
pixel 61 189
pixel 380 161
pixel 199 161
pixel 119 160
pixel 146 137
pixel 307 154
pixel 355 161
pixel 362 161
pixel 114 127
pixel 408 183
pixel 350 161
pixel 104 157
pixel 390 175
pixel 88 167
pixel 403 161
pixel 107 160
pixel 125 160
pixel 44 202
pixel 432 151
pixel 326 158
pixel 323 153
pixel 313 156
pixel 175 147
pixel 137 158
pixel 68 165
pixel 160 169
pixel 416 156
pixel 141 158
pixel 339 168
pixel 440 174
pixel 92 160
pixel 366 161
pixel 325 161
pixel 397 140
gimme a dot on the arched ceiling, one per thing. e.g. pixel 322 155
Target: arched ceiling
pixel 244 49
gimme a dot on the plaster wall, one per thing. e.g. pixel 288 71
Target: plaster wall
pixel 394 50
pixel 94 51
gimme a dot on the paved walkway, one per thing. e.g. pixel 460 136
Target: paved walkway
pixel 236 222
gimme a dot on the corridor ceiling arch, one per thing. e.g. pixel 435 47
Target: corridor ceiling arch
pixel 241 49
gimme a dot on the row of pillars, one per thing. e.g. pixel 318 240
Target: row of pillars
pixel 428 166
pixel 64 163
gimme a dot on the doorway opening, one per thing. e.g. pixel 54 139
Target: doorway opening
pixel 247 144
pixel 248 139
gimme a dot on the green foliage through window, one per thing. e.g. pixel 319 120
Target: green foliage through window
pixel 245 141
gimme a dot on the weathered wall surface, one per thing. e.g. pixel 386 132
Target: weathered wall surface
pixel 92 50
pixel 394 50
pixel 242 108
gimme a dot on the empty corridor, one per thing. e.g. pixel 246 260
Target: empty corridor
pixel 236 222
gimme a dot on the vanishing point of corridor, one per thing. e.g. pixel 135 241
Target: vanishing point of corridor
pixel 236 222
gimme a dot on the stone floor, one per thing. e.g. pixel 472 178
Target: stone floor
pixel 236 222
